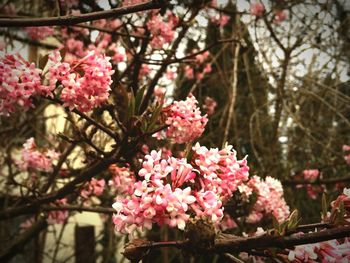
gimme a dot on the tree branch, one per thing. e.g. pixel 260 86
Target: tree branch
pixel 76 19
pixel 317 182
pixel 226 243
pixel 231 243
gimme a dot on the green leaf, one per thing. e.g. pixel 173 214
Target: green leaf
pixel 139 98
pixel 155 116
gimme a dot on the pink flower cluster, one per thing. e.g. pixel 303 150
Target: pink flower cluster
pixel 39 33
pixel 209 105
pixel 199 69
pixel 123 179
pixel 327 251
pixel 311 175
pixel 280 16
pixel 343 199
pixel 58 216
pixel 162 31
pixel 173 190
pixel 221 21
pixel 185 120
pixel 270 199
pixel 94 187
pixel 20 81
pixel 85 82
pixel 346 150
pixel 220 170
pixel 312 190
pixel 31 158
pixel 257 9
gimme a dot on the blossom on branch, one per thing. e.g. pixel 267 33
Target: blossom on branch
pixel 20 81
pixel 39 34
pixel 86 82
pixel 58 216
pixel 162 32
pixel 257 9
pixel 327 251
pixel 172 190
pixel 270 199
pixel 185 120
pixel 31 158
pixel 94 187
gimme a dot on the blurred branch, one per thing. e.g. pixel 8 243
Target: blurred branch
pixel 102 210
pixel 76 19
pixel 233 93
pixel 317 182
pixel 28 41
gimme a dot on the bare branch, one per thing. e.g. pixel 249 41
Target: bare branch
pixel 76 19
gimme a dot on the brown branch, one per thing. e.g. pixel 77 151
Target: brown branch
pixel 102 210
pixel 317 182
pixel 110 31
pixel 28 41
pixel 98 125
pixel 76 19
pixel 226 243
pixel 230 243
pixel 68 188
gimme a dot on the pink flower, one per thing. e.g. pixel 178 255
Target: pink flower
pixel 31 158
pixel 280 16
pixel 311 175
pixel 94 187
pixel 58 216
pixel 327 251
pixel 27 224
pixel 123 179
pixel 227 223
pixel 207 69
pixel 185 120
pixel 20 81
pixel 270 199
pixel 220 170
pixel 159 93
pixel 305 253
pixel 200 58
pixel 257 9
pixel 170 74
pixel 223 20
pixel 162 32
pixel 75 47
pixel 86 82
pixel 166 195
pixel 344 199
pixel 145 70
pixel 209 105
pixel 189 72
pixel 346 148
pixel 347 159
pixel 40 33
